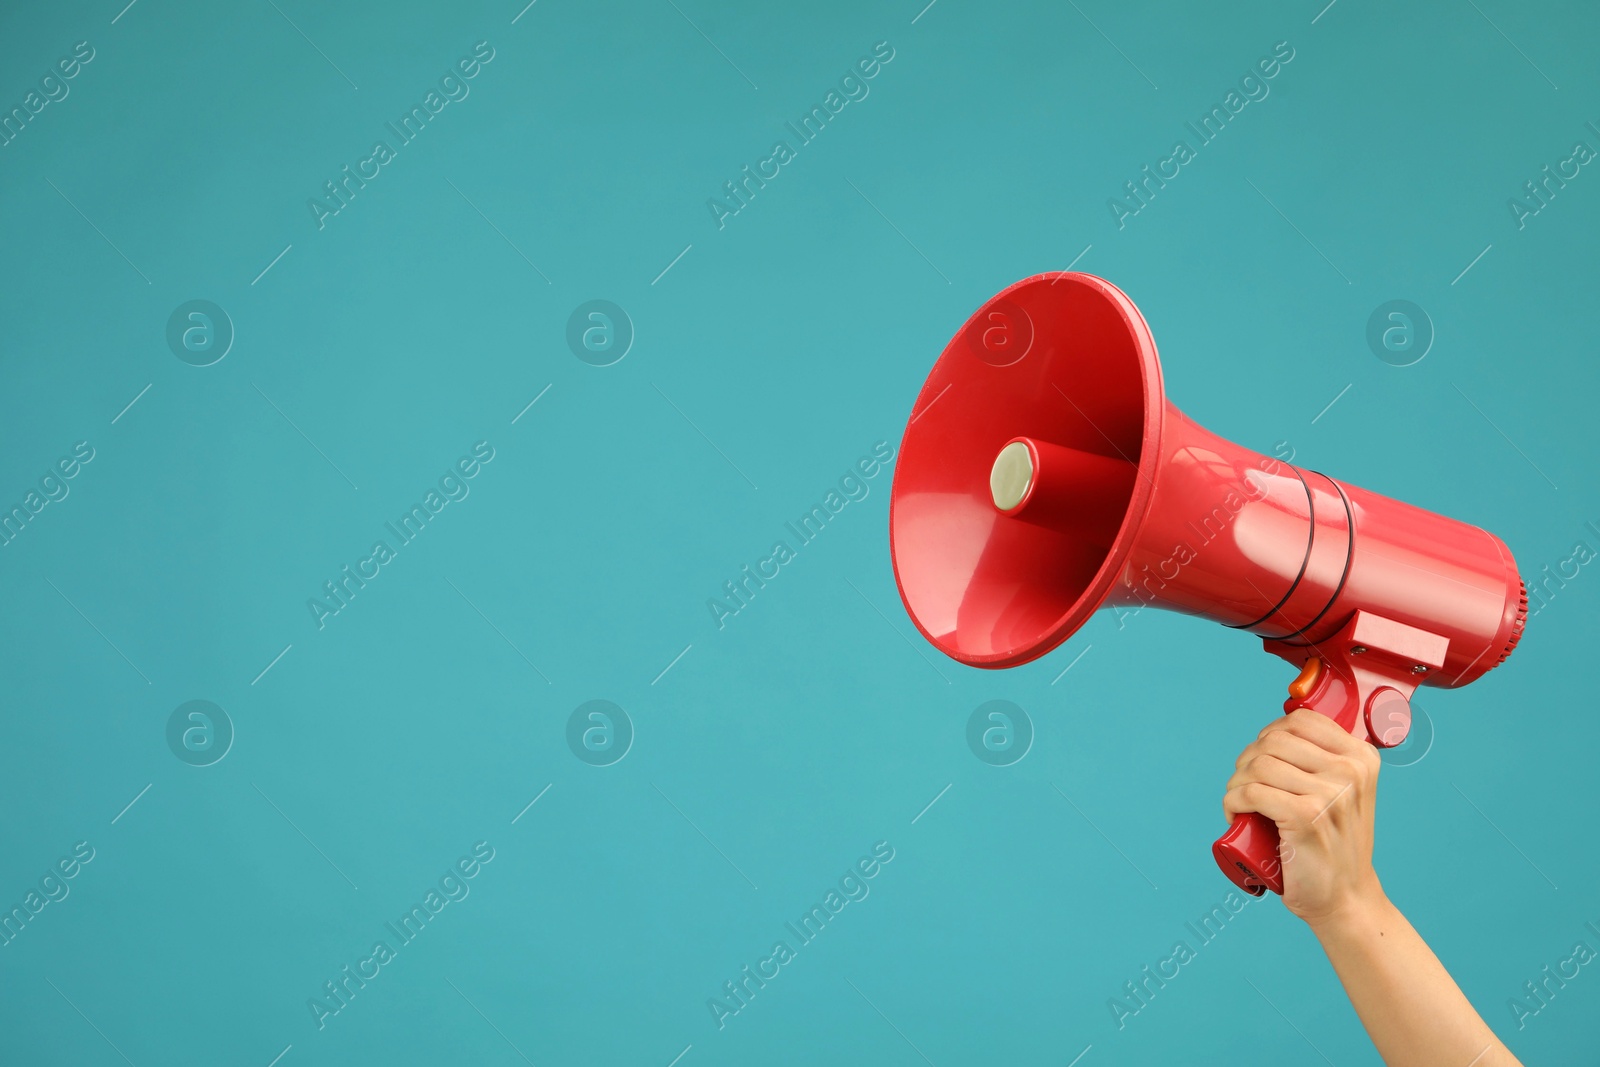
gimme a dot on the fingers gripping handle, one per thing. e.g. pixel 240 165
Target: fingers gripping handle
pixel 1362 679
pixel 1249 852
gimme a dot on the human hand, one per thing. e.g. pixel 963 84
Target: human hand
pixel 1320 785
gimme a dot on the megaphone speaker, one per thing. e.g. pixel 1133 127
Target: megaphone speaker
pixel 1043 475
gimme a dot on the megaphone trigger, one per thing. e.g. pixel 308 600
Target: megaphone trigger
pixel 1310 675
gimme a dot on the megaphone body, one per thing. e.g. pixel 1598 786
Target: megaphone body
pixel 1043 475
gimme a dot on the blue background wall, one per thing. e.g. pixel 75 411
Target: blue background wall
pixel 771 754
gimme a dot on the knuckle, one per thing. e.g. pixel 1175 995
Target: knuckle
pixel 1307 719
pixel 1344 744
pixel 1356 769
pixel 1276 726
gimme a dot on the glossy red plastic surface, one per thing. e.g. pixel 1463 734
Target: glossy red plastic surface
pixel 1138 504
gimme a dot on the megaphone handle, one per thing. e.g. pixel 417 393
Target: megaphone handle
pixel 1370 701
pixel 1248 852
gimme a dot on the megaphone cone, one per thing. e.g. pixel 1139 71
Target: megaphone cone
pixel 1043 475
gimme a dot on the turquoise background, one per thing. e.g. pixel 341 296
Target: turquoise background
pixel 777 750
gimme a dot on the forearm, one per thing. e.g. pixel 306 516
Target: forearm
pixel 1411 1007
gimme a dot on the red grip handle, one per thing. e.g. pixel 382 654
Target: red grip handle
pixel 1248 854
pixel 1362 678
pixel 1362 687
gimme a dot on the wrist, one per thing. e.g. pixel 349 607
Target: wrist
pixel 1357 913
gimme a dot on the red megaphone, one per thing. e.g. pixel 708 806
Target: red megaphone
pixel 1043 474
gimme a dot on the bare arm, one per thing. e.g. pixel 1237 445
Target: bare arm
pixel 1320 786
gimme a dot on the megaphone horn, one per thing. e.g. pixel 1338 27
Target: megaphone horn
pixel 1056 479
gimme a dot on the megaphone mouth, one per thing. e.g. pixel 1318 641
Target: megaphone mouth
pixel 1014 508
